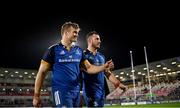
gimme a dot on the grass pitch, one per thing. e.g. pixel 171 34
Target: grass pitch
pixel 162 105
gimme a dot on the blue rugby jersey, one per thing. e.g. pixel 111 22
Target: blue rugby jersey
pixel 65 66
pixel 94 82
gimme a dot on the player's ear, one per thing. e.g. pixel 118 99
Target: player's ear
pixel 67 33
pixel 90 40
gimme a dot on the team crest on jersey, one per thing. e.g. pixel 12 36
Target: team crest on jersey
pixel 77 52
pixel 91 58
pixel 70 56
pixel 62 52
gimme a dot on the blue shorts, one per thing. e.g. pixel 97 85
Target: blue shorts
pixel 66 98
pixel 94 100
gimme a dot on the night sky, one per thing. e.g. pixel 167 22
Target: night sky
pixel 27 32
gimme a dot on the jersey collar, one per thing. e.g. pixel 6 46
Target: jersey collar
pixel 65 46
pixel 88 51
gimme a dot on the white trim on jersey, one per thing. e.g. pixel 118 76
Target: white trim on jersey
pixel 56 97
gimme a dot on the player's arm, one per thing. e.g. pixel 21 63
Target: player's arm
pixel 114 80
pixel 43 69
pixel 92 69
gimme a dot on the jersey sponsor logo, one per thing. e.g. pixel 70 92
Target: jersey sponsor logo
pixel 69 60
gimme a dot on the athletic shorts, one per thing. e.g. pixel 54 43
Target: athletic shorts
pixel 94 101
pixel 66 98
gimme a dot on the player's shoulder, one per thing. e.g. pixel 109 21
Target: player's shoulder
pixel 100 54
pixel 53 46
pixel 77 47
pixel 86 51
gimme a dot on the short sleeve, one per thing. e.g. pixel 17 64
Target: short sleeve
pixel 49 55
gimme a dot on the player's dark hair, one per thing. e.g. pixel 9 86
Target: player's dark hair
pixel 90 34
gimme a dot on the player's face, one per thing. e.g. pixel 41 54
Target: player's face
pixel 72 34
pixel 96 41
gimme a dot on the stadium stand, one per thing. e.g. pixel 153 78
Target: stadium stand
pixel 165 83
pixel 17 85
pixel 17 88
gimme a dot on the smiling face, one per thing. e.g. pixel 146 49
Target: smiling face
pixel 71 34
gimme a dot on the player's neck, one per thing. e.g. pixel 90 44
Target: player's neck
pixel 66 43
pixel 92 49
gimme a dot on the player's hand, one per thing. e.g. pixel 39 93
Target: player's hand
pixel 123 87
pixel 36 101
pixel 109 65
